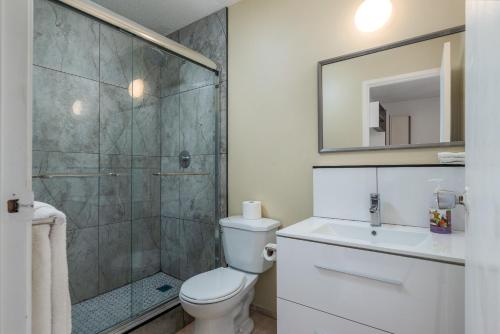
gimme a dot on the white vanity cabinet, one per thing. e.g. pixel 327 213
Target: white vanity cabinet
pixel 330 289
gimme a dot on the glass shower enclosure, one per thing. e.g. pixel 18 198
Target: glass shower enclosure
pixel 125 144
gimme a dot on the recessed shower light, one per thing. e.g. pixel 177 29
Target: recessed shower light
pixel 373 14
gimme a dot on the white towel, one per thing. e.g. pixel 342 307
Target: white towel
pixel 451 155
pixel 51 304
pixel 452 158
pixel 40 271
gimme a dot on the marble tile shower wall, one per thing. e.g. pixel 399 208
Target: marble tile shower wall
pixel 208 36
pixel 89 118
pixel 187 222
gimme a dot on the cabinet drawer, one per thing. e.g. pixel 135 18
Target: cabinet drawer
pixel 394 293
pixel 298 319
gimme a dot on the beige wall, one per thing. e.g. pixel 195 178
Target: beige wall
pixel 274 46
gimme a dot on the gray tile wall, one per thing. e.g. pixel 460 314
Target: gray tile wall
pixel 85 121
pixel 188 114
pixel 189 220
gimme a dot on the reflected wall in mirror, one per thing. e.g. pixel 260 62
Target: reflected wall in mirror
pixel 406 94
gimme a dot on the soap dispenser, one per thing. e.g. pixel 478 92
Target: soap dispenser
pixel 440 219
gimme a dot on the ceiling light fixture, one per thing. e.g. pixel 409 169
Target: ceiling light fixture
pixel 373 14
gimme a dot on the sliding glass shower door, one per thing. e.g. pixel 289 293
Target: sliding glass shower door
pixel 125 144
pixel 173 173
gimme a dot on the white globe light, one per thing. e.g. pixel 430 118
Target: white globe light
pixel 373 14
pixel 77 107
pixel 136 88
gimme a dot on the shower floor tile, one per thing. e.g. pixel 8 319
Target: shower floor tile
pixel 104 311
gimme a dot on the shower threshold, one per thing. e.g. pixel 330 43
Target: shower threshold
pixel 114 310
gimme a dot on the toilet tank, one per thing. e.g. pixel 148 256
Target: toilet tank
pixel 244 240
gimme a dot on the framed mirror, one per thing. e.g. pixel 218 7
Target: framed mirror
pixel 406 94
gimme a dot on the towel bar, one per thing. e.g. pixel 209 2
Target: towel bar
pixel 44 221
pixel 50 176
pixel 180 173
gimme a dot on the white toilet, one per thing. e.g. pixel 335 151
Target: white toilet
pixel 220 299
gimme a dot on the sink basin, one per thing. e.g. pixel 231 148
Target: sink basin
pixel 366 233
pixel 393 239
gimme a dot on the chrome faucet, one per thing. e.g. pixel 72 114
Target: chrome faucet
pixel 375 209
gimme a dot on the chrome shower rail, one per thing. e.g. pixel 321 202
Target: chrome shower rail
pixel 180 173
pixel 50 176
pixel 106 15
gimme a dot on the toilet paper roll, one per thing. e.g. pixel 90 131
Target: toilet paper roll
pixel 251 210
pixel 269 252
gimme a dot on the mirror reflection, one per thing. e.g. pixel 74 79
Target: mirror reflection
pixel 408 94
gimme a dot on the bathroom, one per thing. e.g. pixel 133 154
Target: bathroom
pixel 355 137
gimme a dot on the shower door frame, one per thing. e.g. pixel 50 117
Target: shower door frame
pixel 16 31
pixel 103 14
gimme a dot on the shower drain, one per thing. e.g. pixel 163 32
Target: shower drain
pixel 164 288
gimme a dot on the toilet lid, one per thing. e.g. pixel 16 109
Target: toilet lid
pixel 213 286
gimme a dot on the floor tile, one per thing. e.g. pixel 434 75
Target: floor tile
pixel 106 310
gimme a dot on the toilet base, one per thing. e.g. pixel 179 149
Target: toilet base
pixel 243 322
pixel 246 327
pixel 223 325
pixel 236 322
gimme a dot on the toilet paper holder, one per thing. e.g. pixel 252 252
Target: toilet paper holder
pixel 269 252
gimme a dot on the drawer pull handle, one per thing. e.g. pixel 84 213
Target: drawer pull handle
pixel 358 274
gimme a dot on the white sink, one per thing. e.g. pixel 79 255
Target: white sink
pixel 366 233
pixel 395 239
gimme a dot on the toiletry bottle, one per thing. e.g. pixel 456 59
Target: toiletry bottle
pixel 440 220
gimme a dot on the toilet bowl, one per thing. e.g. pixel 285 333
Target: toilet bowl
pixel 220 299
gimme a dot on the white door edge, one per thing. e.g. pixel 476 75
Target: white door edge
pixel 16 22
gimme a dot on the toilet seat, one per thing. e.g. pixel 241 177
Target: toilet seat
pixel 213 286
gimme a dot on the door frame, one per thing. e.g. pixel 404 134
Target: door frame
pixel 16 26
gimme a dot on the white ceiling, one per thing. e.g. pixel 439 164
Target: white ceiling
pixel 165 16
pixel 406 91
